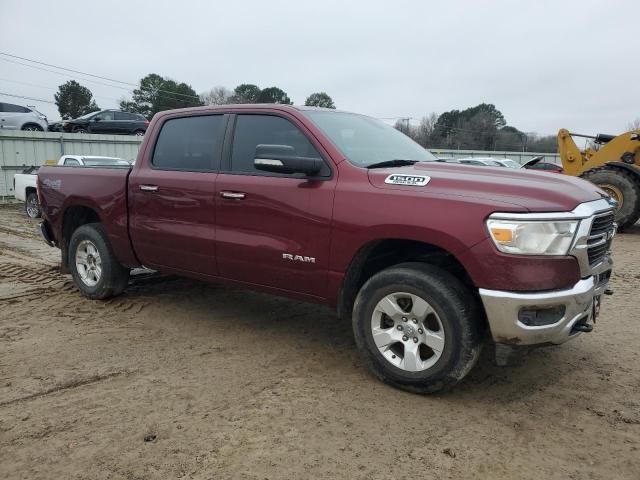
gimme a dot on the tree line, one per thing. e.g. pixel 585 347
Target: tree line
pixel 482 127
pixel 156 93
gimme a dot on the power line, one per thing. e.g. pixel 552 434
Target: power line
pixel 26 98
pixel 67 69
pixel 64 74
pixel 51 88
pixel 93 75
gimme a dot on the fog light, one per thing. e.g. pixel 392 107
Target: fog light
pixel 537 317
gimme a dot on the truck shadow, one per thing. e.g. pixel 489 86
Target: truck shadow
pixel 298 330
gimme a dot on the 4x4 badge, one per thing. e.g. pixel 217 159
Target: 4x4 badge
pixel 412 180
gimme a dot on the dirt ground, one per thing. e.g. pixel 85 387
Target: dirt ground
pixel 181 379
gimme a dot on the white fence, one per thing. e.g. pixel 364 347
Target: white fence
pixel 22 149
pixel 520 157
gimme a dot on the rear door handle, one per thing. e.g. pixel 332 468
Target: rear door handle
pixel 233 195
pixel 149 188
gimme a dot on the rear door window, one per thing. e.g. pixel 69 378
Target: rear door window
pixel 189 143
pixel 10 107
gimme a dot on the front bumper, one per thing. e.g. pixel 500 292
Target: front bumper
pixel 503 308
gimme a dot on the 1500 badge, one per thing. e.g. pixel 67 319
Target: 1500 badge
pixel 412 180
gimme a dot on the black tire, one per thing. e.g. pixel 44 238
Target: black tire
pixel 32 127
pixel 458 312
pixel 114 277
pixel 80 130
pixel 627 186
pixel 31 206
pixel 139 133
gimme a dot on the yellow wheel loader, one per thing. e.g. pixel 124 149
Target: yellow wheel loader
pixel 612 163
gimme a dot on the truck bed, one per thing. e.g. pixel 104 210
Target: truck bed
pixel 102 189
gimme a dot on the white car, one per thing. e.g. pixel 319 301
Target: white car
pixel 24 184
pixel 490 162
pixel 17 117
pixel 92 161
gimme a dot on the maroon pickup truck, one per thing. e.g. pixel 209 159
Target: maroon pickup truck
pixel 427 259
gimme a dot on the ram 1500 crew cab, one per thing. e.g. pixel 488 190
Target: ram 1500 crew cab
pixel 425 258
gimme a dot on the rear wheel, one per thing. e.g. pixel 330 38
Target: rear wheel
pixel 95 270
pixel 80 130
pixel 623 187
pixel 31 206
pixel 139 133
pixel 417 327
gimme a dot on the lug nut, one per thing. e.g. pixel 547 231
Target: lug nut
pixel 405 338
pixel 399 327
pixel 415 339
pixel 414 320
pixel 404 319
pixel 420 331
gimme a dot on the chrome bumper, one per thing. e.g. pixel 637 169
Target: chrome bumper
pixel 503 308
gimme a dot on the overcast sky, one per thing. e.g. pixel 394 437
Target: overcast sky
pixel 544 64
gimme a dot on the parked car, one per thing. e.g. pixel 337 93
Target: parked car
pixel 92 161
pixel 488 162
pixel 108 122
pixel 507 162
pixel 332 207
pixel 536 163
pixel 55 126
pixel 17 117
pixel 24 183
pixel 24 189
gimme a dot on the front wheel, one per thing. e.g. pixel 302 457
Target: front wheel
pixel 95 270
pixel 417 327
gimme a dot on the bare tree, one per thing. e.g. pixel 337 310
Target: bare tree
pixel 424 130
pixel 216 96
pixel 634 125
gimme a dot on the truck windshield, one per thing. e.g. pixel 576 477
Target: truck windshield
pixel 366 141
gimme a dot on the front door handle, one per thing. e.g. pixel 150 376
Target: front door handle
pixel 149 188
pixel 233 195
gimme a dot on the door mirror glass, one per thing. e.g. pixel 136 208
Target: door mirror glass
pixel 283 159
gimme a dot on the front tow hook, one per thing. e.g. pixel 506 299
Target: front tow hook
pixel 582 327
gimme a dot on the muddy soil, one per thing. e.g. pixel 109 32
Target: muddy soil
pixel 182 379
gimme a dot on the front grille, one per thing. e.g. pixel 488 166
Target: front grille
pixel 599 241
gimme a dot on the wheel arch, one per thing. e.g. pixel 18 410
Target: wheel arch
pixel 635 171
pixel 32 124
pixel 377 255
pixel 74 216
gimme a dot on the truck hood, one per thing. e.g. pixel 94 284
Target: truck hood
pixel 531 190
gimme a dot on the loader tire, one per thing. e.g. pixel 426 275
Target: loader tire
pixel 624 187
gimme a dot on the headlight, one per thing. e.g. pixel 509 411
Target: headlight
pixel 533 237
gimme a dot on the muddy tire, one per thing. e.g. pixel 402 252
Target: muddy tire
pixel 624 187
pixel 31 206
pixel 95 270
pixel 417 327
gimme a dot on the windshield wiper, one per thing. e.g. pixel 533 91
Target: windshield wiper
pixel 392 163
